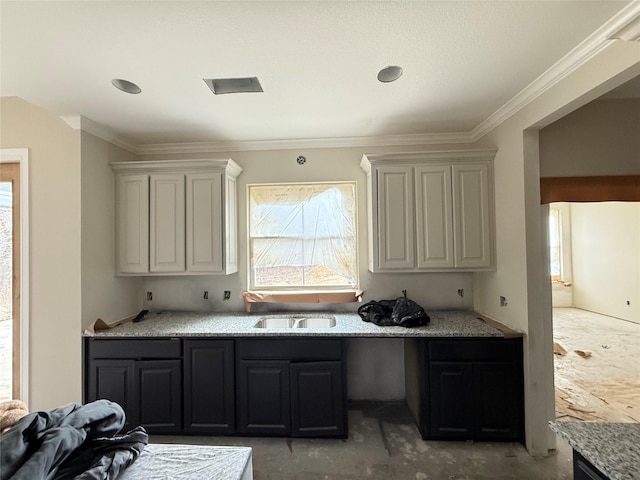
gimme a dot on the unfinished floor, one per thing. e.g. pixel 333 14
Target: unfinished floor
pixel 384 444
pixel 596 362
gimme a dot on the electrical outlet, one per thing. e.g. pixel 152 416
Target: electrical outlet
pixel 206 295
pixel 503 301
pixel 461 292
pixel 227 295
pixel 149 296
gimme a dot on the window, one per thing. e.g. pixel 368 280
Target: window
pixel 302 236
pixel 555 244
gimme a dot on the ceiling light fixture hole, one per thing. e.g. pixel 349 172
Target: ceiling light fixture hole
pixel 390 74
pixel 126 86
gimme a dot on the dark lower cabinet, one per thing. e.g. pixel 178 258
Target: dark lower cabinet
pixel 114 380
pixel 159 395
pixel 264 397
pixel 317 399
pixel 290 387
pixel 148 389
pixel 209 386
pixel 584 470
pixel 466 389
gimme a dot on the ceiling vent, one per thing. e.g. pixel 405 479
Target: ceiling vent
pixel 233 85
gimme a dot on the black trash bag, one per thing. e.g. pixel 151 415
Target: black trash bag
pixel 401 312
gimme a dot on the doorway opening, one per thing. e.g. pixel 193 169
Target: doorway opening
pixel 594 250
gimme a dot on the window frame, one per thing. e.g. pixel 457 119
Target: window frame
pixel 288 290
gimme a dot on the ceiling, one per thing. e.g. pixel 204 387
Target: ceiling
pixel 317 63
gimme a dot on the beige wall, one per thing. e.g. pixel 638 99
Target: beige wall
pixel 103 294
pixel 601 138
pixel 606 255
pixel 54 226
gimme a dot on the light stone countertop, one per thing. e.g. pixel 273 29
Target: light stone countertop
pixel 198 324
pixel 613 448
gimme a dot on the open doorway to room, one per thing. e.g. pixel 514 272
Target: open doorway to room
pixel 594 251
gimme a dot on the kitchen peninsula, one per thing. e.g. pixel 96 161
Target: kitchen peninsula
pixel 222 374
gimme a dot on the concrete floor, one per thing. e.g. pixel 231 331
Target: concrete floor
pixel 384 443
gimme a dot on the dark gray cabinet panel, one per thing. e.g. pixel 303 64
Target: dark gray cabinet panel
pixel 114 380
pixel 466 388
pixel 317 399
pixel 209 386
pixel 159 395
pixel 264 397
pixel 584 470
pixel 140 378
pixel 295 388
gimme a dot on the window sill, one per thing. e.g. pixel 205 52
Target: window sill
pixel 301 297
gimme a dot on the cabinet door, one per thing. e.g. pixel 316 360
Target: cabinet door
pixel 167 223
pixel 472 225
pixel 209 390
pixel 132 212
pixel 396 231
pixel 496 403
pixel 264 397
pixel 451 393
pixel 584 470
pixel 114 380
pixel 317 401
pixel 159 395
pixel 434 217
pixel 205 234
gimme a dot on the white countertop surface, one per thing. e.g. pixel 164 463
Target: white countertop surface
pixel 199 324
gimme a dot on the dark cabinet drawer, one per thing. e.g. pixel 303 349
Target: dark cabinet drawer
pixel 294 350
pixel 473 350
pixel 134 348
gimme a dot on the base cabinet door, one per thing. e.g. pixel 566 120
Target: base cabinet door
pixel 209 386
pixel 317 400
pixel 159 396
pixel 495 400
pixel 114 380
pixel 264 397
pixel 451 400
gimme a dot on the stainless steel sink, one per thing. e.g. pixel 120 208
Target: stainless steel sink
pixel 296 321
pixel 276 322
pixel 316 322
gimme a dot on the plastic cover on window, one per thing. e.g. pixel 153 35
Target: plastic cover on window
pixel 303 235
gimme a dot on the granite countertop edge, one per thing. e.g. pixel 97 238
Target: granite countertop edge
pixel 613 448
pixel 458 324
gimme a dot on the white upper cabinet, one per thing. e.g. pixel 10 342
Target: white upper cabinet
pixel 430 211
pixel 132 213
pixel 176 217
pixel 166 223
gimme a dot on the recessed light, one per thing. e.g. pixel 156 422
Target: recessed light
pixel 233 85
pixel 126 86
pixel 390 73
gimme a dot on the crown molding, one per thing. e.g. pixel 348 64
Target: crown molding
pixel 80 122
pixel 589 48
pixel 624 26
pixel 306 143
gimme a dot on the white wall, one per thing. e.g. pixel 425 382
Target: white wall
pixel 54 226
pixel 606 255
pixel 104 295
